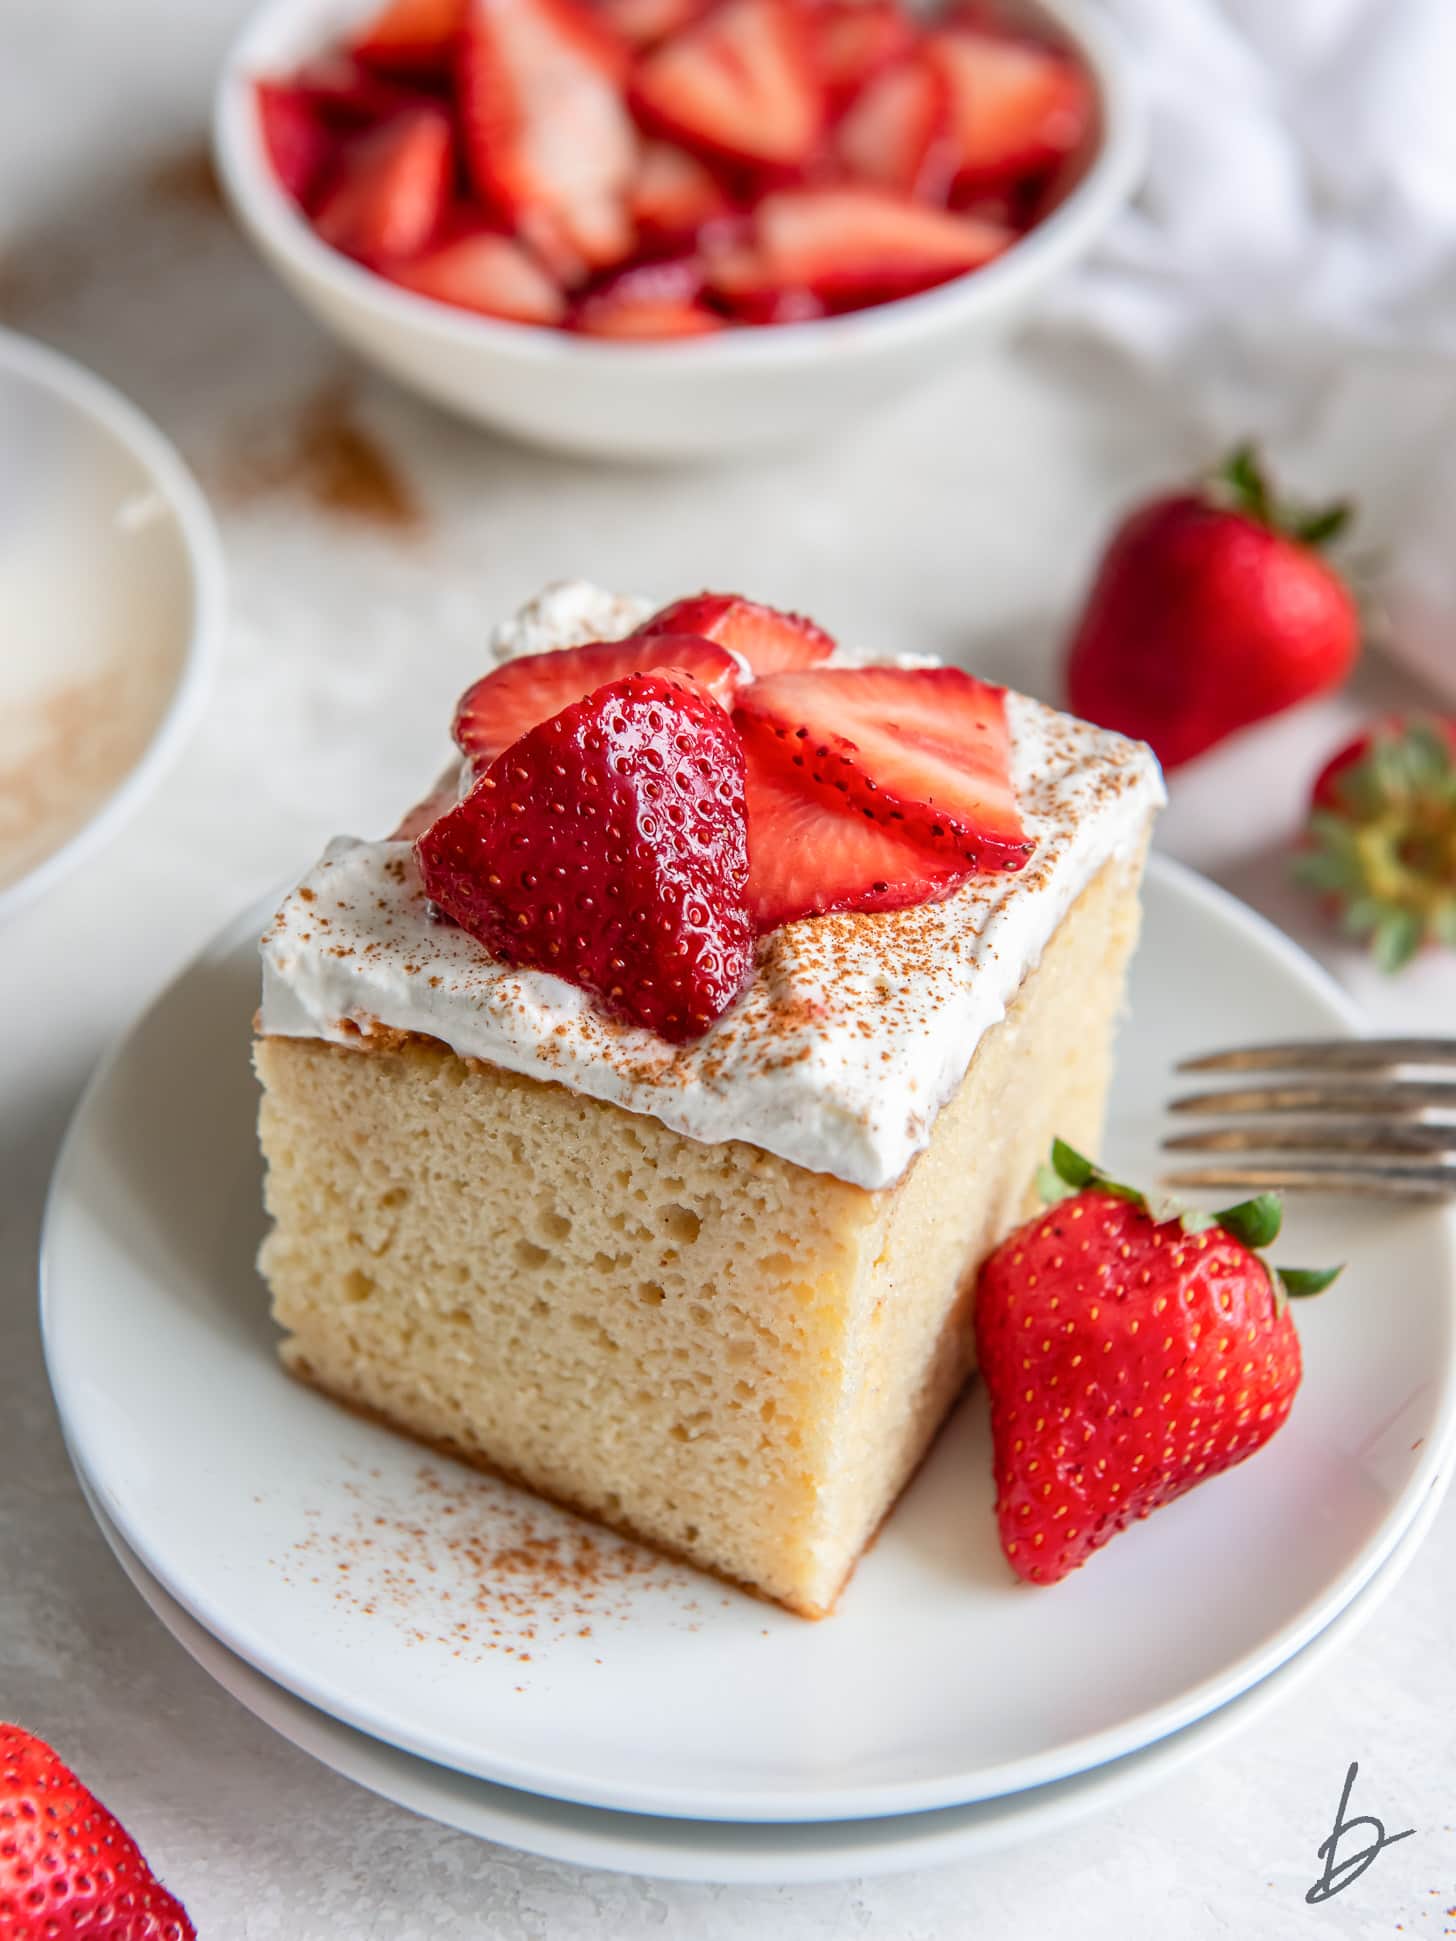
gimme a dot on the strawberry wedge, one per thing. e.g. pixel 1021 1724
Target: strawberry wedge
pixel 1015 107
pixel 392 191
pixel 298 145
pixel 768 640
pixel 897 135
pixel 488 273
pixel 847 247
pixel 854 39
pixel 739 84
pixel 511 700
pixel 654 300
pixel 809 855
pixel 412 37
pixel 925 752
pixel 673 194
pixel 548 139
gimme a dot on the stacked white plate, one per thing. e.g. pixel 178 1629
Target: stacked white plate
pixel 491 1662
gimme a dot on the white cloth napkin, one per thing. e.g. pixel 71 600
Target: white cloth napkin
pixel 1292 255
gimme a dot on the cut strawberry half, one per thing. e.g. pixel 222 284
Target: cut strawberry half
pixel 609 846
pixel 738 84
pixel 854 39
pixel 392 190
pixel 548 138
pixel 348 95
pixel 897 133
pixel 298 146
pixel 762 636
pixel 511 700
pixel 672 196
pixel 848 247
pixel 412 37
pixel 653 300
pixel 809 856
pixel 1015 106
pixel 925 751
pixel 643 23
pixel 486 272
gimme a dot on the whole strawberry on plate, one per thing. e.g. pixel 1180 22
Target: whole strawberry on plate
pixel 67 1866
pixel 1127 1358
pixel 1381 839
pixel 1212 609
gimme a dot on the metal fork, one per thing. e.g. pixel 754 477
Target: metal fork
pixel 1345 1115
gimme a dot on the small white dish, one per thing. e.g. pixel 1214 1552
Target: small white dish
pixel 383 1586
pixel 694 399
pixel 111 611
pixel 749 1854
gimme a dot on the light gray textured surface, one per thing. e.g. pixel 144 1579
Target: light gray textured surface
pixel 960 524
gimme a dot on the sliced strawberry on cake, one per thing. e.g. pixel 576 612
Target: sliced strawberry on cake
pixel 392 189
pixel 609 846
pixel 1016 107
pixel 548 139
pixel 924 751
pixel 847 247
pixel 766 639
pixel 739 84
pixel 511 700
pixel 480 269
pixel 651 300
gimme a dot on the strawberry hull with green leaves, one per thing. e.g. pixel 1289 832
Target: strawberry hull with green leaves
pixel 665 169
pixel 1381 840
pixel 1128 1358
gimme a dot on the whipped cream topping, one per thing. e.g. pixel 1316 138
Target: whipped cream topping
pixel 854 1029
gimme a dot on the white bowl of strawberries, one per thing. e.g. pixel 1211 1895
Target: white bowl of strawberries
pixel 670 228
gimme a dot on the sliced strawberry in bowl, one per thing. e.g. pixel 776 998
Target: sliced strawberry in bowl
pixel 411 37
pixel 739 84
pixel 299 147
pixel 897 133
pixel 608 845
pixel 512 699
pixel 349 95
pixel 848 246
pixel 766 639
pixel 853 40
pixel 652 300
pixel 1016 107
pixel 673 195
pixel 548 139
pixel 925 751
pixel 479 269
pixel 809 856
pixel 392 189
pixel 643 23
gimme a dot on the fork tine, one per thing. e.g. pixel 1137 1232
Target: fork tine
pixel 1371 1055
pixel 1392 1179
pixel 1430 1100
pixel 1372 1135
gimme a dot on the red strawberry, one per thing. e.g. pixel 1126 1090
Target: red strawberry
pixel 412 36
pixel 651 300
pixel 298 146
pixel 896 135
pixel 848 247
pixel 514 698
pixel 808 855
pixel 609 846
pixel 672 196
pixel 1015 107
pixel 548 138
pixel 391 195
pixel 1210 610
pixel 67 1866
pixel 1381 841
pixel 924 751
pixel 481 270
pixel 643 23
pixel 853 40
pixel 739 83
pixel 767 639
pixel 1126 1360
pixel 347 95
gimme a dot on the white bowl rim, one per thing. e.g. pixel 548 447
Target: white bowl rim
pixel 50 370
pixel 269 213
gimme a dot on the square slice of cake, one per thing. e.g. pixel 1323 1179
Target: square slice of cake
pixel 712 1289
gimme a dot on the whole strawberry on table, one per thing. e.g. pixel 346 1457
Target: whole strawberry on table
pixel 1213 607
pixel 67 1866
pixel 1127 1357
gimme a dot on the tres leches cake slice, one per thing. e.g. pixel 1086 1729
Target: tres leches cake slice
pixel 638 1117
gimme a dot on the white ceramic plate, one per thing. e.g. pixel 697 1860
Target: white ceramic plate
pixel 749 1854
pixel 392 1590
pixel 110 612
